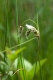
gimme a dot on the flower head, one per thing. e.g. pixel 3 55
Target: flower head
pixel 33 29
pixel 30 27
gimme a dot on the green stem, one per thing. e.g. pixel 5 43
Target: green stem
pixel 39 59
pixel 21 61
pixel 37 23
pixel 7 24
pixel 29 20
pixel 5 28
pixel 35 69
pixel 19 38
pixel 20 44
pixel 39 50
pixel 38 53
pixel 16 10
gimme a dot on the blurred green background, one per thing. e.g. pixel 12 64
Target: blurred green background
pixel 13 13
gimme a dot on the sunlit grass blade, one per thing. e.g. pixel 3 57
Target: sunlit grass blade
pixel 14 55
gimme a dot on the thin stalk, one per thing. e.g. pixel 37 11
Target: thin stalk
pixel 16 10
pixel 38 53
pixel 5 28
pixel 19 38
pixel 29 20
pixel 35 69
pixel 20 44
pixel 22 63
pixel 8 32
pixel 39 50
pixel 8 29
pixel 37 23
pixel 39 59
pixel 21 55
pixel 16 17
pixel 6 25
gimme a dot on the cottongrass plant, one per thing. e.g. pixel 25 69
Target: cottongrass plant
pixel 32 29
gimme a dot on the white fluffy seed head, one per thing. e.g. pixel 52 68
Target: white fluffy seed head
pixel 29 27
pixel 33 29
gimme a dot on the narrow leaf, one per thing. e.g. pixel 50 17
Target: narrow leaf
pixel 14 55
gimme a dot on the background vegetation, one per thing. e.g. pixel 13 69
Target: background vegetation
pixel 26 65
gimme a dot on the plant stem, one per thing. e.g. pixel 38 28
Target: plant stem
pixel 20 44
pixel 39 58
pixel 19 38
pixel 39 50
pixel 16 10
pixel 5 28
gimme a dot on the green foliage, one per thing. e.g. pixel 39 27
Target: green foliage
pixel 12 14
pixel 29 68
pixel 7 69
pixel 13 55
pixel 30 74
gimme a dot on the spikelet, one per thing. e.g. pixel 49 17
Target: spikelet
pixel 33 29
